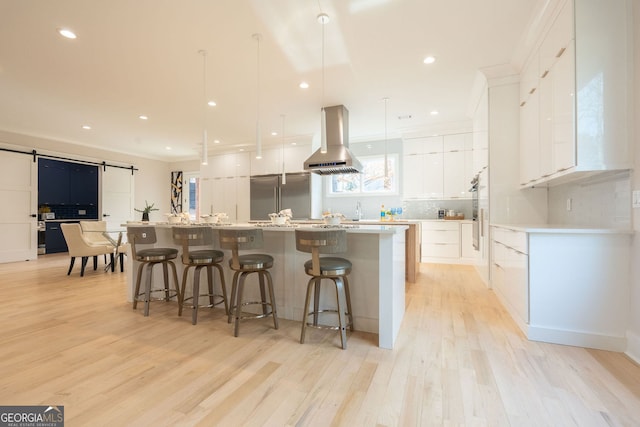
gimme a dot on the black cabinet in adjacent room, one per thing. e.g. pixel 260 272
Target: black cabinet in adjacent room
pixel 53 182
pixel 54 239
pixel 83 184
pixel 68 188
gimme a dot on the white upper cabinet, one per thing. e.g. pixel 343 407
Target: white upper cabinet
pixel 438 167
pixel 582 112
pixel 270 163
pixel 226 165
pixel 273 160
pixel 432 144
pixel 294 158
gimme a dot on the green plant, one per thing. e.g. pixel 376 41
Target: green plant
pixel 147 208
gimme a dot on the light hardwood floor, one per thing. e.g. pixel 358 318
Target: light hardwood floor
pixel 459 361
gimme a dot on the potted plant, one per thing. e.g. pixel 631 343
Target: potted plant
pixel 145 211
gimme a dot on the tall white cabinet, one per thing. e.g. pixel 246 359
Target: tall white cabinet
pixel 574 101
pixel 224 186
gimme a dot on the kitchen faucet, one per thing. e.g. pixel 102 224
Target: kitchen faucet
pixel 358 210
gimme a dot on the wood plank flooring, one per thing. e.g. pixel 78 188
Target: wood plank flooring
pixel 459 361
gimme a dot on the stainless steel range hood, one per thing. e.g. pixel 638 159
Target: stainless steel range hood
pixel 338 159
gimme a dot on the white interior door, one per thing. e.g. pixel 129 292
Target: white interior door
pixel 117 197
pixel 18 218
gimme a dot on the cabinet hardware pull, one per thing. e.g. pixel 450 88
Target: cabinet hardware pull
pixel 560 52
pixel 522 103
pixel 544 74
pixel 533 89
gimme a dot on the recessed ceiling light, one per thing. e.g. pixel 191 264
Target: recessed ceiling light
pixel 294 143
pixel 434 113
pixel 211 103
pixel 274 133
pixel 86 127
pixel 429 60
pixel 67 33
pixel 167 148
pixel 242 149
pixel 143 117
pixel 216 141
pixel 304 85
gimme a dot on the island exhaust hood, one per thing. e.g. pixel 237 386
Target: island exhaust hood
pixel 338 159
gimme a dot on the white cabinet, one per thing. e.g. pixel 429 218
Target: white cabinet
pixel 432 184
pixel 582 85
pixel 509 271
pixel 224 186
pixel 438 167
pixel 467 251
pixel 273 158
pixel 455 184
pixel 564 286
pixel 270 163
pixel 440 240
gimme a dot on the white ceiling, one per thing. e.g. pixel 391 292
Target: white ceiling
pixel 141 57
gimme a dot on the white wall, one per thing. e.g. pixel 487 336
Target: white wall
pixel 633 333
pixel 152 180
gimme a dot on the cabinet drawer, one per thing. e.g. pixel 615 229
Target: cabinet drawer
pixel 440 236
pixel 441 250
pixel 440 225
pixel 511 238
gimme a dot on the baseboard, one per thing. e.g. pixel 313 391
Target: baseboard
pixel 633 346
pixel 579 339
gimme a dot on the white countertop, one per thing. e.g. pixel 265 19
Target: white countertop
pixel 350 227
pixel 562 229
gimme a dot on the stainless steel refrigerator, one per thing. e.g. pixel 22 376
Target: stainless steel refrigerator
pixel 269 195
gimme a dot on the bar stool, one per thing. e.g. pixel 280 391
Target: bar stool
pixel 319 242
pixel 189 237
pixel 150 257
pixel 243 265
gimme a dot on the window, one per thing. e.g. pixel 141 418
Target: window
pixel 191 195
pixel 370 181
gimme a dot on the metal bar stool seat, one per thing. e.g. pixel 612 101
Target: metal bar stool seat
pixel 199 259
pixel 329 267
pixel 148 258
pixel 244 265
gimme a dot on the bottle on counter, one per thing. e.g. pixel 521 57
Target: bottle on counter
pixel 383 213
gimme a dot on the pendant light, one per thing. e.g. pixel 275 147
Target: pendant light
pixel 284 175
pixel 323 19
pixel 205 149
pixel 257 38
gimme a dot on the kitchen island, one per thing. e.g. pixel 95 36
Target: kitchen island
pixel 377 279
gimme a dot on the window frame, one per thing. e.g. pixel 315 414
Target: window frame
pixel 393 158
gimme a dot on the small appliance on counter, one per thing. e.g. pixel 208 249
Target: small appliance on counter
pixel 47 215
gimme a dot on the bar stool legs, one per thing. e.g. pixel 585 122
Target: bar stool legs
pixel 237 291
pixel 343 297
pixel 148 281
pixel 196 290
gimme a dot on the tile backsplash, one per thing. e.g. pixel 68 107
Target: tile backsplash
pixel 601 201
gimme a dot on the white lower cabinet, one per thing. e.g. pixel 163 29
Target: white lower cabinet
pixel 440 239
pixel 564 286
pixel 509 269
pixel 447 242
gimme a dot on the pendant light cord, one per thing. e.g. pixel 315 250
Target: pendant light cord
pixel 205 154
pixel 257 36
pixel 386 161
